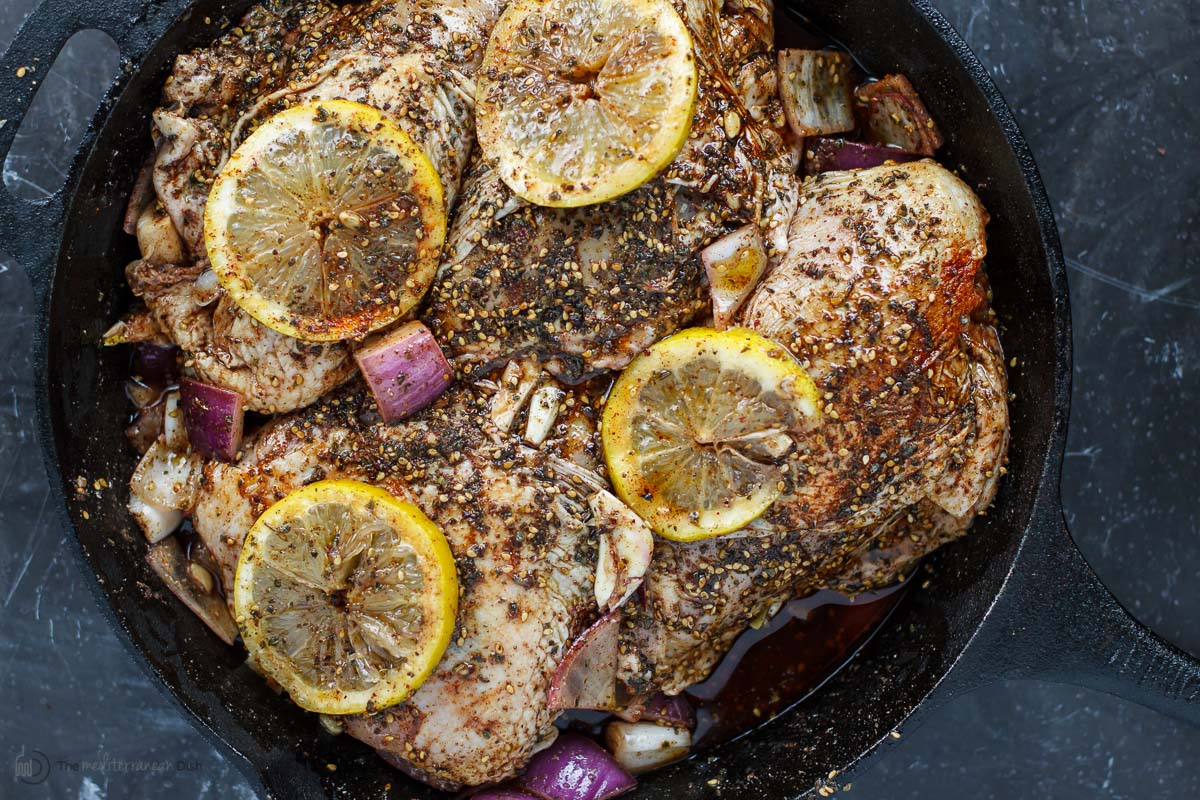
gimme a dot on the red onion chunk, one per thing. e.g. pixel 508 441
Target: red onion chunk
pixel 575 768
pixel 214 419
pixel 169 562
pixel 502 793
pixel 143 432
pixel 155 364
pixel 814 86
pixel 830 155
pixel 405 369
pixel 734 264
pixel 891 112
pixel 675 711
pixel 587 675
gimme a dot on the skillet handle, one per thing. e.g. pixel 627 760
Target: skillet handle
pixel 1056 621
pixel 31 230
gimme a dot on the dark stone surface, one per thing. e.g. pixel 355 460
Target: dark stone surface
pixel 1106 92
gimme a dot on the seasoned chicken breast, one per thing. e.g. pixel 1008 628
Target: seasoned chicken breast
pixel 875 286
pixel 586 289
pixel 882 298
pixel 515 519
pixel 412 60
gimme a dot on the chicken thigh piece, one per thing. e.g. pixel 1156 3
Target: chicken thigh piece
pixel 414 60
pixel 515 517
pixel 587 289
pixel 882 298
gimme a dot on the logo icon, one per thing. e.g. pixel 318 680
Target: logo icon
pixel 31 769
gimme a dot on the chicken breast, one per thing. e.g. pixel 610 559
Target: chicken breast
pixel 515 519
pixel 586 289
pixel 226 347
pixel 412 60
pixel 882 298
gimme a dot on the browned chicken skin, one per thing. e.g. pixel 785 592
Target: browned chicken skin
pixel 587 289
pixel 877 289
pixel 515 520
pixel 882 298
pixel 413 60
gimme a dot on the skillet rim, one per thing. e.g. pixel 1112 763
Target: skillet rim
pixel 1045 504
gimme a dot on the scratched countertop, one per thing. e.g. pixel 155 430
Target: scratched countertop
pixel 1107 93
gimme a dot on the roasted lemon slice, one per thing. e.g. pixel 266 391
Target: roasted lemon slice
pixel 695 429
pixel 580 101
pixel 326 223
pixel 345 596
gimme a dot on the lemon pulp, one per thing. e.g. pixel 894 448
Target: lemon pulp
pixel 345 596
pixel 580 101
pixel 694 430
pixel 327 222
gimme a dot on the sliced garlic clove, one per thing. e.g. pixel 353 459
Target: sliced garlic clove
pixel 626 546
pixel 516 384
pixel 543 411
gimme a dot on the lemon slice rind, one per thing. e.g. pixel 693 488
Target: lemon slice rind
pixel 255 600
pixel 739 351
pixel 272 271
pixel 563 133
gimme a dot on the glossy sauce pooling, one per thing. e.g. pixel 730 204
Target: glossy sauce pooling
pixel 772 668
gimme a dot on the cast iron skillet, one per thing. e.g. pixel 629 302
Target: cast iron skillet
pixel 1014 598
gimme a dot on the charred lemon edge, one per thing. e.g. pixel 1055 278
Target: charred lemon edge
pixel 546 190
pixel 424 181
pixel 770 360
pixel 431 546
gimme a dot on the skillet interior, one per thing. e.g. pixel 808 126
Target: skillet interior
pixel 85 409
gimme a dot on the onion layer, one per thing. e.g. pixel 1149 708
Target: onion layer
pixel 830 155
pixel 156 522
pixel 405 370
pixel 174 429
pixel 675 711
pixel 166 478
pixel 814 86
pixel 516 384
pixel 169 562
pixel 643 746
pixel 891 112
pixel 734 263
pixel 575 768
pixel 587 675
pixel 146 427
pixel 214 419
pixel 142 395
